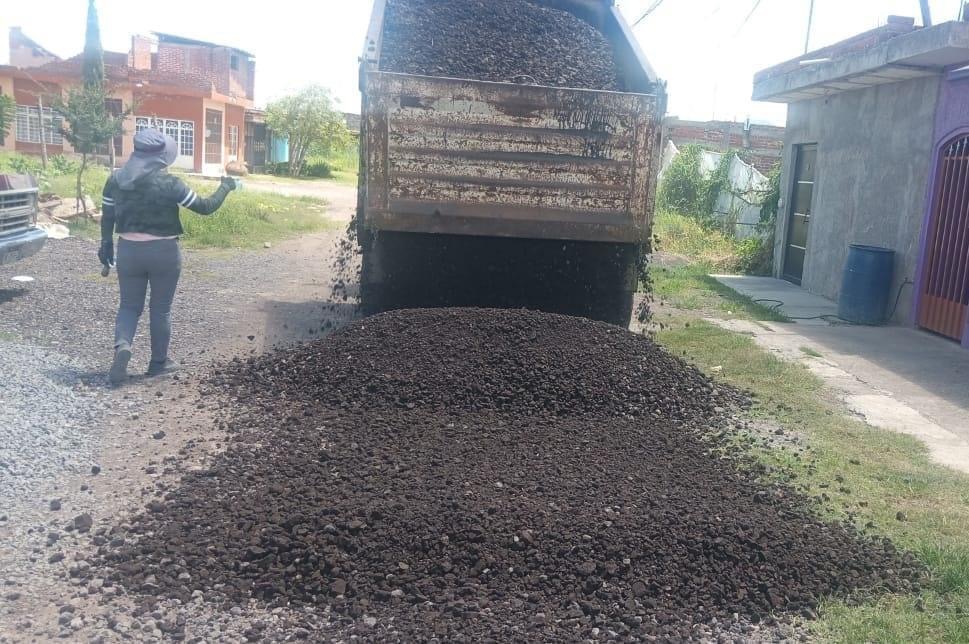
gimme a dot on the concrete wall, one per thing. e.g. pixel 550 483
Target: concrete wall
pixel 761 145
pixel 874 157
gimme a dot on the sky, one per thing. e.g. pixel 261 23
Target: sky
pixel 706 50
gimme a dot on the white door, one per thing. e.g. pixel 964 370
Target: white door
pixel 213 162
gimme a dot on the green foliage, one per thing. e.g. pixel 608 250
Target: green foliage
pixel 312 123
pixel 249 219
pixel 7 114
pixel 874 485
pixel 93 61
pixel 87 122
pixel 686 191
pixel 755 256
pixel 19 164
pixel 346 159
pixel 690 288
pixel 681 190
pixel 710 188
pixel 318 169
pixel 712 249
pixel 60 165
pixel 60 170
pixel 772 200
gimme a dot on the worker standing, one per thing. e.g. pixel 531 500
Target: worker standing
pixel 141 204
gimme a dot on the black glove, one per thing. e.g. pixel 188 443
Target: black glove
pixel 228 183
pixel 106 253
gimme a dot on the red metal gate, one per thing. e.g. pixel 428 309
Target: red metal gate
pixel 944 305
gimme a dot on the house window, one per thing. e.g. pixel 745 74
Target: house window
pixel 186 142
pixel 234 140
pixel 234 62
pixel 28 125
pixel 182 131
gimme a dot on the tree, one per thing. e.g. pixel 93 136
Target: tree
pixel 7 114
pixel 87 122
pixel 310 120
pixel 92 65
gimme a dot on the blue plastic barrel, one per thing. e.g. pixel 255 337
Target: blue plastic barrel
pixel 866 287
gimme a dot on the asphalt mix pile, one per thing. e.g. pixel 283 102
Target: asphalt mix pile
pixel 512 41
pixel 484 474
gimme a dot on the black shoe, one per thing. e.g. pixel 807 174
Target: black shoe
pixel 119 367
pixel 161 368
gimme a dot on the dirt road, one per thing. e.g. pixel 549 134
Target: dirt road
pixel 341 198
pixel 75 455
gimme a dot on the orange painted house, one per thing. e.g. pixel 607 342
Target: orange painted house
pixel 195 91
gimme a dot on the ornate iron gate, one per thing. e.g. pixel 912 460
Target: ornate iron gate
pixel 944 303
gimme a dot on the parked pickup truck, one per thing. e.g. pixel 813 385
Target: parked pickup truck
pixel 19 235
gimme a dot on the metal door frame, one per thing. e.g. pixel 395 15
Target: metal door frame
pixel 789 208
pixel 929 221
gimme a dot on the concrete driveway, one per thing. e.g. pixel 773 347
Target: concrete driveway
pixel 896 378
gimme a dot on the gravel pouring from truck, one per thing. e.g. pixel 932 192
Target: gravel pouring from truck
pixel 482 193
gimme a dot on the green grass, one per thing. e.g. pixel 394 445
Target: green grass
pixel 246 220
pixel 691 288
pixel 249 219
pixel 717 252
pixel 65 186
pixel 343 177
pixel 886 473
pixel 811 352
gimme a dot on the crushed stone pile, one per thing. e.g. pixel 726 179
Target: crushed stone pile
pixel 483 475
pixel 512 41
pixel 459 361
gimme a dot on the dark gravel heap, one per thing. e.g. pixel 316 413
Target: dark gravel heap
pixel 496 40
pixel 469 360
pixel 582 500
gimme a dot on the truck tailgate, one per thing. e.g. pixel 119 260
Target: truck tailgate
pixel 467 157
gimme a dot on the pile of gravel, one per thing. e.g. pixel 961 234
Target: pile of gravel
pixel 496 40
pixel 457 361
pixel 579 504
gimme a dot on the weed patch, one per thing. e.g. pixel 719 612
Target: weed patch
pixel 881 481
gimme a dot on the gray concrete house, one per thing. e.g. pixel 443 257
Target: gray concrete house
pixel 876 152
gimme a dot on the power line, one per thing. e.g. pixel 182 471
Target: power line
pixel 753 10
pixel 653 7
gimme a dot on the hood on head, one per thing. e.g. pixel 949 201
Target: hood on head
pixel 154 151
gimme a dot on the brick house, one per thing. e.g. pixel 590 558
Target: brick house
pixel 762 146
pixel 195 91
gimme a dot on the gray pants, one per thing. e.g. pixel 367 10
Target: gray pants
pixel 140 264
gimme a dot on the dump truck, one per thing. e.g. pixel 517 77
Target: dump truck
pixel 507 193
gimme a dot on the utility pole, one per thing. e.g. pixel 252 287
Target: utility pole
pixel 807 38
pixel 43 131
pixel 926 13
